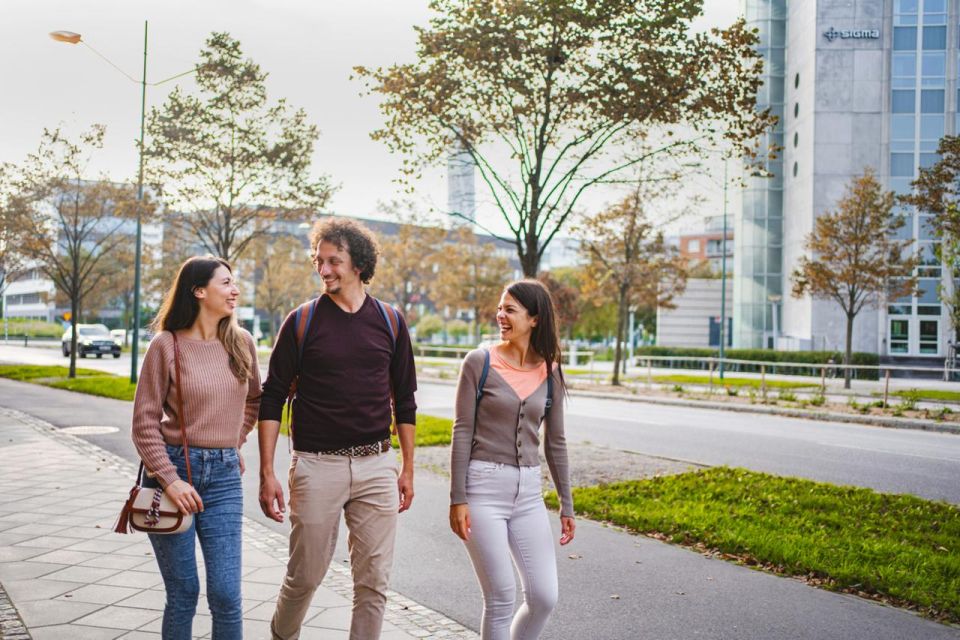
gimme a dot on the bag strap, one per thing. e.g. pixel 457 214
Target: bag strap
pixel 181 418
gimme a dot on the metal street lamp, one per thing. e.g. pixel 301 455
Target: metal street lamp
pixel 71 37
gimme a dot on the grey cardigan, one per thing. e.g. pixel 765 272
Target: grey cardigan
pixel 506 430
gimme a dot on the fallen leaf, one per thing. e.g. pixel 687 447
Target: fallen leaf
pixel 574 556
pixel 614 597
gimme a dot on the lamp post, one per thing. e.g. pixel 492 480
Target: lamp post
pixel 70 37
pixel 723 276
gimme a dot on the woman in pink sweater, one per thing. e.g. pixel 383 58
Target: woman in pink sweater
pixel 220 382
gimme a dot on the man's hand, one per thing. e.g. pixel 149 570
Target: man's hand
pixel 405 485
pixel 271 498
pixel 184 496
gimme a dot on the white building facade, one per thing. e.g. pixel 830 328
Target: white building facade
pixel 857 84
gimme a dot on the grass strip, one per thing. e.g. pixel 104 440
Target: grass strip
pixel 432 431
pixel 896 548
pixel 926 394
pixel 29 372
pixel 680 378
pixel 106 386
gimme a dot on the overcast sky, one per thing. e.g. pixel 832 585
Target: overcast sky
pixel 308 47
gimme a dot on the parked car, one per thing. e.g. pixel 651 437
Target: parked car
pixel 92 339
pixel 119 336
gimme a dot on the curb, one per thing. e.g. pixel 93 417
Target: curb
pixel 873 421
pixel 11 626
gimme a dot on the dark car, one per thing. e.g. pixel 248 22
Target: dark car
pixel 92 339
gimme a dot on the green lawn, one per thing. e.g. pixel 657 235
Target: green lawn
pixel 107 386
pixel 894 546
pixel 704 379
pixel 927 394
pixel 431 432
pixel 27 372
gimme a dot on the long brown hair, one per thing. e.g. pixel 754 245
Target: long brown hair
pixel 180 309
pixel 544 339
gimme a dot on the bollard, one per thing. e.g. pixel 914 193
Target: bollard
pixel 650 373
pixel 710 392
pixel 823 381
pixel 886 388
pixel 763 382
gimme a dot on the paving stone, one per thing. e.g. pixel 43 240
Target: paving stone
pixel 47 542
pixel 114 562
pixel 25 570
pixel 140 579
pixel 36 589
pixel 98 594
pixel 81 574
pixel 332 618
pixel 53 612
pixel 73 632
pixel 115 617
pixel 144 599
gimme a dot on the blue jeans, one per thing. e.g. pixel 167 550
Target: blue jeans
pixel 216 477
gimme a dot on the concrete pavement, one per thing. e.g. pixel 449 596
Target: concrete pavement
pixel 69 576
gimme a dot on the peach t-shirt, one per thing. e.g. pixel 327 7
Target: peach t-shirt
pixel 523 381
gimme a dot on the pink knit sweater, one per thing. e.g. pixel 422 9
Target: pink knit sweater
pixel 219 408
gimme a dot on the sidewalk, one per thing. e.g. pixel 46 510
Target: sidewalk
pixel 65 574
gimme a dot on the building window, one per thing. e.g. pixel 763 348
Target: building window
pixel 693 246
pixel 904 38
pixel 904 100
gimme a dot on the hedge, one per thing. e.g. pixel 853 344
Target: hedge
pixel 763 355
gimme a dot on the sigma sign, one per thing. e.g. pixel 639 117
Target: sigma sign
pixel 832 34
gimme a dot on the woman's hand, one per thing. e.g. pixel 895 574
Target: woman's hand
pixel 460 520
pixel 243 465
pixel 567 527
pixel 184 496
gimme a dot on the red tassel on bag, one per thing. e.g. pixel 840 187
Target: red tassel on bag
pixel 123 522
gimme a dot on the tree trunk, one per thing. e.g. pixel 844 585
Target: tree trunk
pixel 74 310
pixel 529 262
pixel 621 322
pixel 477 324
pixel 848 354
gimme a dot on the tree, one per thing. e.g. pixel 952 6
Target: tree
pixel 630 260
pixel 428 326
pixel 936 191
pixel 226 159
pixel 68 225
pixel 565 300
pixel 471 276
pixel 854 258
pixel 405 272
pixel 11 257
pixel 539 93
pixel 286 276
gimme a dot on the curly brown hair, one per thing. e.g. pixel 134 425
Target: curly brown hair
pixel 351 235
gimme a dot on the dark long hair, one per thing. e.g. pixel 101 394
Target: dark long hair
pixel 544 339
pixel 180 309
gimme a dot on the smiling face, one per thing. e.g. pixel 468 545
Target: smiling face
pixel 220 295
pixel 514 320
pixel 336 268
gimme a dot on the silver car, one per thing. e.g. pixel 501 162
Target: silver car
pixel 92 339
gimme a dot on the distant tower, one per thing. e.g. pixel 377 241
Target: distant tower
pixel 461 196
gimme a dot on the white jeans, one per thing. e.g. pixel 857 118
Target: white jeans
pixel 508 518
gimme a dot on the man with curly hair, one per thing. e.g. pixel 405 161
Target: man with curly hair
pixel 346 358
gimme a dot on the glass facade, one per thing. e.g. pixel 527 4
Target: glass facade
pixel 758 270
pixel 918 119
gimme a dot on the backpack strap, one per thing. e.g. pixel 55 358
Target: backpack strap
pixel 391 317
pixel 302 319
pixel 549 403
pixel 480 383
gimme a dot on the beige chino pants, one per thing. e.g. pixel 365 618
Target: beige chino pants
pixel 365 490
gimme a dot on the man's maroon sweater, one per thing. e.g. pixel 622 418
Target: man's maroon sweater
pixel 348 365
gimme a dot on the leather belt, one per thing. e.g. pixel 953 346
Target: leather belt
pixel 360 450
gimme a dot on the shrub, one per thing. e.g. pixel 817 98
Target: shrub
pixel 814 358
